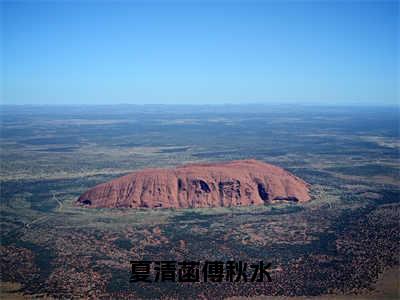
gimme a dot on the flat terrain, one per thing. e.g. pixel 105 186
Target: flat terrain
pixel 338 244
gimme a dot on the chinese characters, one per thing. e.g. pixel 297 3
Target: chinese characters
pixel 192 271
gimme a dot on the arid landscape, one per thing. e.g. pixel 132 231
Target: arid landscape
pixel 338 244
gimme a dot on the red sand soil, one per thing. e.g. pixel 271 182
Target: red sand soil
pixel 235 183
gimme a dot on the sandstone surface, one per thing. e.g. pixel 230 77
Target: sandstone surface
pixel 235 183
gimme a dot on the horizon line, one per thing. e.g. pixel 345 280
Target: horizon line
pixel 361 104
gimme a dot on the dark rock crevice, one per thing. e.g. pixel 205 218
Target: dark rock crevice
pixel 262 192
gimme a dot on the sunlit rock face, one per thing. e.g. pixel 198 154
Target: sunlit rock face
pixel 235 183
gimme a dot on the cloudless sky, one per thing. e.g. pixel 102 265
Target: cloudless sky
pixel 106 52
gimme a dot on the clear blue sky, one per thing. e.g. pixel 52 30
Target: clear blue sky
pixel 102 52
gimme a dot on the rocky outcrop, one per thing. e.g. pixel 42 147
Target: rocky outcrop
pixel 236 183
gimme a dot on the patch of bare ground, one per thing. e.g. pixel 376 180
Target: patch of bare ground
pixel 387 287
pixel 11 290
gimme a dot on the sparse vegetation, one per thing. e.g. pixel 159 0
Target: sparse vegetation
pixel 337 243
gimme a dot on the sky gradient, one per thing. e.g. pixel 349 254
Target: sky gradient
pixel 191 53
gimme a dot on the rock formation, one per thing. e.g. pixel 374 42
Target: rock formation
pixel 235 183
